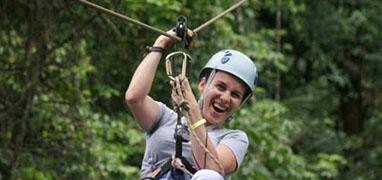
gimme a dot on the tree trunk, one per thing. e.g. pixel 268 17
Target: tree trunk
pixel 351 98
pixel 34 62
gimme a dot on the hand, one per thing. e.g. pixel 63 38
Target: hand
pixel 164 41
pixel 182 92
pixel 187 90
pixel 177 93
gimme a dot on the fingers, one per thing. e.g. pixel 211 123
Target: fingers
pixel 175 97
pixel 190 33
pixel 177 93
pixel 181 93
pixel 185 84
pixel 164 41
pixel 177 86
pixel 181 86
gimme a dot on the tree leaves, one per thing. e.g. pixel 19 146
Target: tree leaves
pixel 64 69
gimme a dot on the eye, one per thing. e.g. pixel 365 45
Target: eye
pixel 220 87
pixel 236 95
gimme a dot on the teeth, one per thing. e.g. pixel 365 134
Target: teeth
pixel 219 107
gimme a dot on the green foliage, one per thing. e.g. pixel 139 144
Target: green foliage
pixel 269 155
pixel 327 165
pixel 64 69
pixel 113 147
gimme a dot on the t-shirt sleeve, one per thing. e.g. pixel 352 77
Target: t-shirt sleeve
pixel 164 117
pixel 238 142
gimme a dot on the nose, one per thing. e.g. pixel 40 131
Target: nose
pixel 225 96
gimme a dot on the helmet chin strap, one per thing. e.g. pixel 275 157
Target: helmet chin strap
pixel 209 80
pixel 246 99
pixel 208 83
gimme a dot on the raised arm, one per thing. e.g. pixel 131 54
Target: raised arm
pixel 141 105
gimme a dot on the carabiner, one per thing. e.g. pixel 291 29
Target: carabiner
pixel 170 62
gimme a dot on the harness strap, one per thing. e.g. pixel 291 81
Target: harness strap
pixel 158 172
pixel 174 162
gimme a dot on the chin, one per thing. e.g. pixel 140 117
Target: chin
pixel 216 121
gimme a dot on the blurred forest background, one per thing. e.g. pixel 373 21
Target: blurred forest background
pixel 64 69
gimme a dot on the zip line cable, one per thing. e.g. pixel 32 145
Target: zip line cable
pixel 154 29
pixel 199 28
pixel 128 19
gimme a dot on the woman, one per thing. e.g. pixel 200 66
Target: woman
pixel 226 82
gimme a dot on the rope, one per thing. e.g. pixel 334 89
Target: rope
pixel 151 28
pixel 236 5
pixel 128 19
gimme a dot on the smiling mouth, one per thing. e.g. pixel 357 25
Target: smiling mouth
pixel 219 108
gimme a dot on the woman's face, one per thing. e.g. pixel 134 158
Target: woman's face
pixel 221 98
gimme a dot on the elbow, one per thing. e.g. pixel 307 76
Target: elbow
pixel 131 98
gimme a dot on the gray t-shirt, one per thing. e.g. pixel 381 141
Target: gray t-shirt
pixel 160 141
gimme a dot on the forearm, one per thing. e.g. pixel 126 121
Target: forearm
pixel 200 140
pixel 143 77
pixel 205 159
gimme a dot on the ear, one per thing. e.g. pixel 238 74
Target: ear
pixel 202 84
